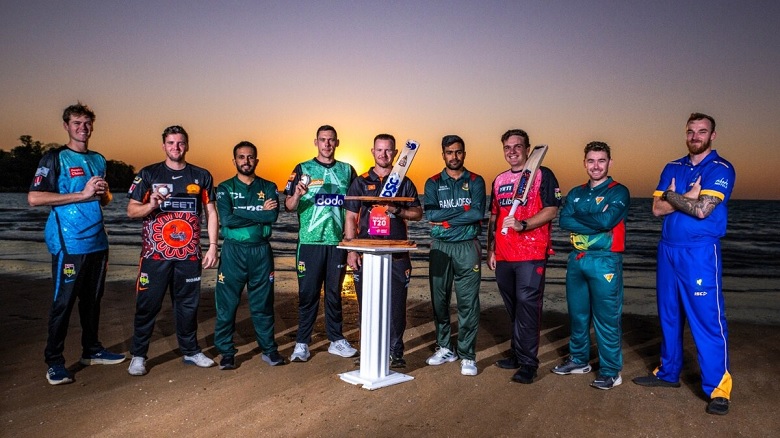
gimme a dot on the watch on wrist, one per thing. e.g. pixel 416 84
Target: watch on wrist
pixel 524 225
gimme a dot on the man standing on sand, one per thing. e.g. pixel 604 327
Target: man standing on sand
pixel 71 179
pixel 692 196
pixel 455 205
pixel 316 191
pixel 595 213
pixel 170 197
pixel 248 206
pixel 360 224
pixel 520 257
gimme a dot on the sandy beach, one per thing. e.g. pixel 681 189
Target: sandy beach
pixel 309 399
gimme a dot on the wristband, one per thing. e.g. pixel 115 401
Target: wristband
pixel 664 195
pixel 524 225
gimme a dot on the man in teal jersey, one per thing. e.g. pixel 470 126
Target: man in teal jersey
pixel 455 205
pixel 316 192
pixel 595 213
pixel 248 205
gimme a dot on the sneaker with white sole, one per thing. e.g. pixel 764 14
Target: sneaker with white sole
pixel 102 357
pixel 300 353
pixel 468 367
pixel 342 348
pixel 137 366
pixel 198 359
pixel 569 366
pixel 604 382
pixel 273 358
pixel 58 375
pixel 441 356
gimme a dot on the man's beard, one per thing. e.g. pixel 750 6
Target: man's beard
pixel 248 172
pixel 696 149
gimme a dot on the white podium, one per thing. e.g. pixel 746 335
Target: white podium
pixel 374 372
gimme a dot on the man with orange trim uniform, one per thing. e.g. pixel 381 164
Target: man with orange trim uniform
pixel 170 197
pixel 692 197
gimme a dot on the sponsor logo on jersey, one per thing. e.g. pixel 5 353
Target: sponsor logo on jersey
pixel 180 204
pixel 76 171
pixel 193 189
pixel 700 294
pixel 221 278
pixel 192 280
pixel 722 183
pixel 444 188
pixel 609 277
pixel 316 182
pixel 42 171
pixel 506 188
pixel 69 270
pixel 371 187
pixel 328 200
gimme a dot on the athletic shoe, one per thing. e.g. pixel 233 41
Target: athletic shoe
pixel 300 353
pixel 58 375
pixel 468 367
pixel 525 375
pixel 510 363
pixel 137 366
pixel 273 358
pixel 569 366
pixel 654 381
pixel 397 362
pixel 442 355
pixel 718 406
pixel 342 348
pixel 228 362
pixel 606 382
pixel 198 359
pixel 102 357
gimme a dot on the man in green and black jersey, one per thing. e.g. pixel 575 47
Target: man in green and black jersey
pixel 316 192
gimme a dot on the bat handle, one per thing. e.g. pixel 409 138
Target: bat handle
pixel 512 211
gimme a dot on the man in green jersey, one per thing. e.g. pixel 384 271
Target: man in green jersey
pixel 316 192
pixel 248 205
pixel 455 205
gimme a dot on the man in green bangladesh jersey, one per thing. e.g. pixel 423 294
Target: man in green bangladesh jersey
pixel 248 205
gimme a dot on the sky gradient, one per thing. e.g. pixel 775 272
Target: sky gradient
pixel 568 72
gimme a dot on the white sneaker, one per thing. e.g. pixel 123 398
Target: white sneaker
pixel 137 366
pixel 300 353
pixel 342 348
pixel 468 367
pixel 198 359
pixel 442 355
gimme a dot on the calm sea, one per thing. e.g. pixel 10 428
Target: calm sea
pixel 751 247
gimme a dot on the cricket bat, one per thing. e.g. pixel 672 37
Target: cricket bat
pixel 526 179
pixel 396 176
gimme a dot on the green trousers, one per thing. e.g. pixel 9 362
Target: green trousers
pixel 239 266
pixel 459 263
pixel 594 291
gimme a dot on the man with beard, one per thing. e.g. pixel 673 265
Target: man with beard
pixel 248 206
pixel 692 197
pixel 595 213
pixel 360 223
pixel 316 192
pixel 170 196
pixel 455 206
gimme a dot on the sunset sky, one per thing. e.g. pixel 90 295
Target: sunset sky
pixel 625 72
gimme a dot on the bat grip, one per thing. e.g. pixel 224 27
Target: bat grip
pixel 512 211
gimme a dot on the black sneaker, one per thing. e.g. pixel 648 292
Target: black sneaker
pixel 569 366
pixel 718 406
pixel 525 375
pixel 509 363
pixel 653 381
pixel 606 382
pixel 397 362
pixel 228 362
pixel 273 358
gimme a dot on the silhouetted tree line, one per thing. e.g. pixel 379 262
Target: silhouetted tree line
pixel 18 166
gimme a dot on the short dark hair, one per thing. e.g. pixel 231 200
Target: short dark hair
pixel 451 139
pixel 598 146
pixel 79 109
pixel 701 116
pixel 245 144
pixel 326 128
pixel 385 137
pixel 175 129
pixel 519 132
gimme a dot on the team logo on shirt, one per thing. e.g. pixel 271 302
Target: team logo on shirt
pixel 465 186
pixel 193 189
pixel 261 195
pixel 599 199
pixel 177 233
pixel 69 270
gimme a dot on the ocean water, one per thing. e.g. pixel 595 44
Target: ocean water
pixel 751 248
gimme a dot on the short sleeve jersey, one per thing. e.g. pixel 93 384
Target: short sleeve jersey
pixel 75 228
pixel 717 179
pixel 172 232
pixel 535 244
pixel 320 210
pixel 370 184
